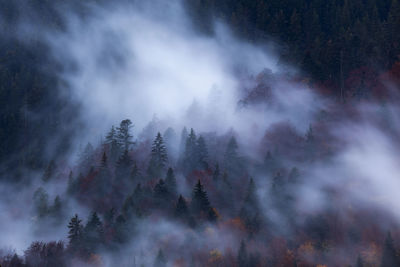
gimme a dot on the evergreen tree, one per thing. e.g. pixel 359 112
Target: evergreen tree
pixel 160 260
pixel 135 173
pixel 104 160
pixel 49 172
pixel 182 212
pixel 216 173
pixel 124 136
pixel 190 159
pixel 71 188
pixel 57 209
pixel 182 144
pixel 121 230
pixel 75 234
pixel 232 161
pixel 389 256
pixel 270 163
pixel 161 194
pixel 250 211
pixel 158 158
pixel 40 201
pixel 170 182
pixel 359 262
pixel 170 140
pixel 93 232
pixel 202 153
pixel 86 157
pixel 200 204
pixel 123 168
pixel 112 142
pixel 242 257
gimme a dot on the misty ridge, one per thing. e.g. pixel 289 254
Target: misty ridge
pixel 154 133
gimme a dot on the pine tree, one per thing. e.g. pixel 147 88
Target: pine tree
pixel 270 163
pixel 242 255
pixel 75 234
pixel 202 153
pixel 86 157
pixel 389 257
pixel 161 194
pixel 231 158
pixel 360 262
pixel 160 260
pixel 159 157
pixel 182 144
pixel 216 173
pixel 200 204
pixel 93 232
pixel 40 200
pixel 170 140
pixel 49 172
pixel 135 173
pixel 104 160
pixel 109 217
pixel 124 136
pixel 170 182
pixel 57 209
pixel 121 230
pixel 250 211
pixel 71 188
pixel 250 206
pixel 123 167
pixel 181 210
pixel 112 142
pixel 190 159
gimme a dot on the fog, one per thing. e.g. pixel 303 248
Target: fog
pixel 148 62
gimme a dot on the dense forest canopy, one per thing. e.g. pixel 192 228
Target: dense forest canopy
pixel 199 133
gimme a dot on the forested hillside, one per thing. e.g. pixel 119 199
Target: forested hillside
pixel 327 39
pixel 199 133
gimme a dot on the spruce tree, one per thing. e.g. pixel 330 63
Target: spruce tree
pixel 216 173
pixel 389 256
pixel 124 164
pixel 93 232
pixel 160 260
pixel 104 160
pixel 57 209
pixel 200 204
pixel 232 161
pixel 40 201
pixel 190 159
pixel 161 194
pixel 242 257
pixel 135 173
pixel 359 262
pixel 182 144
pixel 124 136
pixel 49 172
pixel 158 158
pixel 113 144
pixel 202 153
pixel 170 182
pixel 71 188
pixel 86 157
pixel 181 210
pixel 250 211
pixel 75 234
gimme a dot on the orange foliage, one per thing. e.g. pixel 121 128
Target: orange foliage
pixel 215 258
pixel 95 260
pixel 371 255
pixel 236 223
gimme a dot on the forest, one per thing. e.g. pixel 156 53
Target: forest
pixel 199 133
